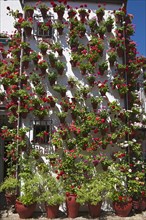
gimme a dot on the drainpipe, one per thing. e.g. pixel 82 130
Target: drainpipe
pixel 126 101
pixel 19 121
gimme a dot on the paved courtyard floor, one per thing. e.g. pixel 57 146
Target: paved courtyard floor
pixel 82 216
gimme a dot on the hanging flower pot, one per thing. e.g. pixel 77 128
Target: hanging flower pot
pixel 83 14
pixel 59 26
pixel 62 116
pixel 100 13
pixel 59 9
pixel 52 59
pixel 43 65
pixel 60 67
pixel 72 13
pixel 25 61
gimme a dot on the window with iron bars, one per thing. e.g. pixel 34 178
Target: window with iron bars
pixel 41 132
pixel 43 27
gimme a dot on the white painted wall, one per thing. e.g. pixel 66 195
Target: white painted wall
pixel 6 21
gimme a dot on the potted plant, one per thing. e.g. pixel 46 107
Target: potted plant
pixel 62 116
pixel 59 9
pixel 119 15
pixel 27 25
pixel 93 193
pixel 51 193
pixel 112 56
pixel 52 59
pixel 85 66
pixel 93 24
pixel 80 29
pixel 43 46
pixel 118 192
pixel 60 89
pixel 52 77
pixel 100 13
pixel 9 186
pixel 75 58
pixel 103 67
pixel 26 202
pixel 71 12
pixel 57 47
pixel 91 79
pixel 83 13
pixel 59 26
pixel 103 87
pixel 113 42
pixel 35 57
pixel 109 23
pixel 43 65
pixel 95 101
pixel 60 67
pixel 72 81
pixel 25 61
pixel 43 8
pixel 101 31
pixel 29 10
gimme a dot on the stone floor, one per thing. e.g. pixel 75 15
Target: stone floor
pixel 82 216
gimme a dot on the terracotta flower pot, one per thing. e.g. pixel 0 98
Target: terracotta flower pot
pixel 52 211
pixel 10 199
pixel 94 210
pixel 24 211
pixel 72 206
pixel 123 209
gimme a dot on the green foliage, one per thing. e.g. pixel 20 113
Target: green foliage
pixel 51 191
pixel 93 191
pixel 9 185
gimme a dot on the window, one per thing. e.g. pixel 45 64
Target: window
pixel 41 131
pixel 43 27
